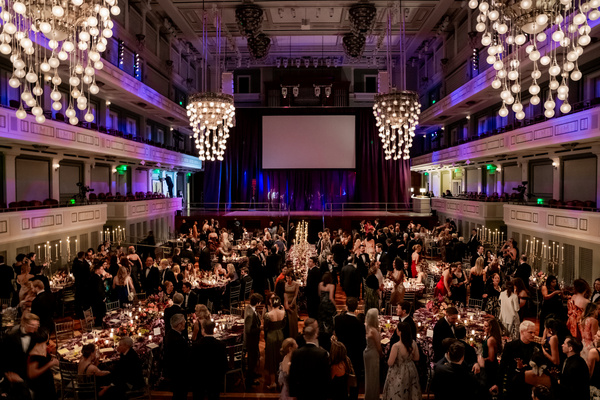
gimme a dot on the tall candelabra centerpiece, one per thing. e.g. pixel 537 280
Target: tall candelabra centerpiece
pixel 300 252
pixel 541 254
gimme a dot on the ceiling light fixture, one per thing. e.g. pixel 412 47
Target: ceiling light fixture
pixel 508 26
pixel 397 112
pixel 74 30
pixel 211 113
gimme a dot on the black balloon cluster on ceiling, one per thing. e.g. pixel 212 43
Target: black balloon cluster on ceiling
pixel 249 18
pixel 361 16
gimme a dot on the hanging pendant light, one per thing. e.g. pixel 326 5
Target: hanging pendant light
pixel 76 31
pixel 211 114
pixel 397 111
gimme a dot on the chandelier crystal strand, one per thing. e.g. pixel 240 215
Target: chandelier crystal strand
pixel 508 27
pixel 211 114
pixel 74 30
pixel 397 112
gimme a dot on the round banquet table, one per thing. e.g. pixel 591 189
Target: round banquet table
pixel 215 290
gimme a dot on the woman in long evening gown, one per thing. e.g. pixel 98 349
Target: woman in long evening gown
pixel 576 305
pixel 442 289
pixel 287 349
pixel 402 382
pixel 588 328
pixel 274 322
pixel 372 355
pixel 415 260
pixel 291 294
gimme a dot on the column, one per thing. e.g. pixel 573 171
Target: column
pixel 596 152
pixel 113 178
pixel 499 179
pixel 55 179
pixel 87 172
pixel 479 180
pixel 524 170
pixel 10 172
pixel 556 174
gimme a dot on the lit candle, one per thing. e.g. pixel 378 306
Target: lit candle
pixel 149 337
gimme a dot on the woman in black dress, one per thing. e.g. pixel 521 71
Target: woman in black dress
pixel 552 303
pixel 459 284
pixel 39 365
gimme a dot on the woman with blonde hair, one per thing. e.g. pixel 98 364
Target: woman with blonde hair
pixel 123 286
pixel 288 347
pixel 202 314
pixel 476 280
pixel 372 355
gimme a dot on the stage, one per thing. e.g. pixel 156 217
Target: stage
pixel 346 219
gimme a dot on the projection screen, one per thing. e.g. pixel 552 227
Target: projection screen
pixel 309 142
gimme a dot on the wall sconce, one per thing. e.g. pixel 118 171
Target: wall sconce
pixel 555 164
pixel 284 92
pixel 108 103
pixel 412 189
pixel 296 91
pixel 142 162
pixel 298 62
pixel 114 170
pixel 56 166
pixel 306 62
pixel 278 62
pixel 285 63
pixel 317 91
pixel 327 91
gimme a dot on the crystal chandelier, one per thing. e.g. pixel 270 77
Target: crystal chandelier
pixel 75 31
pixel 211 114
pixel 507 26
pixel 397 112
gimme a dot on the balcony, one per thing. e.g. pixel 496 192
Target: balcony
pixel 146 209
pixel 574 224
pixel 35 223
pixel 580 126
pixel 59 135
pixel 478 211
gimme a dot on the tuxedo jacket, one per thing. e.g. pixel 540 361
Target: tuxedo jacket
pixel 384 261
pixel 363 262
pixel 14 358
pixel 351 280
pixel 351 332
pixel 150 279
pixel 312 282
pixel 575 378
pixel 169 312
pixel 251 327
pixel 441 331
pixel 211 363
pixel 7 274
pixel 43 307
pixel 309 373
pixel 177 362
pixel 191 302
pixel 166 275
pixel 204 259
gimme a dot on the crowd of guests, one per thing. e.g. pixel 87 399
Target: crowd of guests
pixel 337 353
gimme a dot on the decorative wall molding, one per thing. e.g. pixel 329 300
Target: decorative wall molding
pixel 77 139
pixel 143 209
pixel 568 128
pixel 574 224
pixel 24 225
pixel 465 209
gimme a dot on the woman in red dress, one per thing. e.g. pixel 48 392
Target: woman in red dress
pixel 442 288
pixel 416 259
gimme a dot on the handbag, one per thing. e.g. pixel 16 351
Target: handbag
pixel 130 296
pixel 352 381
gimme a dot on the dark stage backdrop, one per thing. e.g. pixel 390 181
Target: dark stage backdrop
pixel 373 180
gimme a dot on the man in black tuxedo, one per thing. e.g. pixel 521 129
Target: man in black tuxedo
pixel 473 243
pixel 340 254
pixel 443 329
pixel 41 277
pixel 127 374
pixel 363 262
pixel 256 272
pixel 7 276
pixel 595 298
pixel 515 358
pixel 96 293
pixel 174 309
pixel 478 253
pixel 208 375
pixel 309 370
pixel 382 257
pixel 81 273
pixel 273 265
pixel 166 274
pixel 244 280
pixel 176 356
pixel 204 260
pixel 575 377
pixel 43 306
pixel 350 279
pixel 350 331
pixel 190 299
pixel 523 270
pixel 188 253
pixel 16 345
pixel 403 310
pixel 452 379
pixel 312 287
pixel 150 276
pixel 252 337
pixel 328 266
